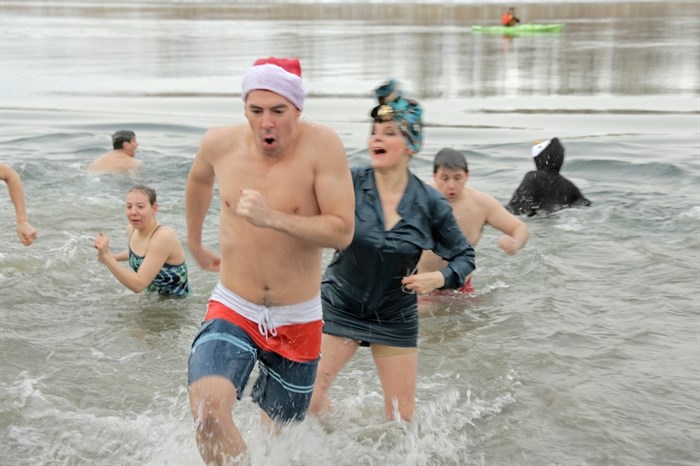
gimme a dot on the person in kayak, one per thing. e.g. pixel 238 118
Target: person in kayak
pixel 545 190
pixel 369 289
pixel 509 19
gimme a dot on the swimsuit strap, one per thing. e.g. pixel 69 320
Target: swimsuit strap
pixel 154 232
pixel 149 238
pixel 128 241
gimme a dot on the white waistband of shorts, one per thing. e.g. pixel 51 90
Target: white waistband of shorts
pixel 300 313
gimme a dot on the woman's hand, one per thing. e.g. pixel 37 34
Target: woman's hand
pixel 101 243
pixel 423 283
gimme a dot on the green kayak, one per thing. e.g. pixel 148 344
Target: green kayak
pixel 519 29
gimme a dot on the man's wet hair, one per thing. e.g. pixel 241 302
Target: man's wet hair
pixel 450 159
pixel 122 136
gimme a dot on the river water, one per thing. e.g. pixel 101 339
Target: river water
pixel 583 349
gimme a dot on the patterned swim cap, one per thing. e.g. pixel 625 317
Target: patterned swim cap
pixel 407 113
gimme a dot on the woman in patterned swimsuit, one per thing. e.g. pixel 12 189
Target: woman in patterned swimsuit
pixel 155 254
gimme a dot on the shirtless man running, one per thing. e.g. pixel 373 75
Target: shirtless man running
pixel 286 193
pixel 472 209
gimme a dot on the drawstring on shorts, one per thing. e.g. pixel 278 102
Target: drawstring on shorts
pixel 265 326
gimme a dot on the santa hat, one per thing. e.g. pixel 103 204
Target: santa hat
pixel 279 75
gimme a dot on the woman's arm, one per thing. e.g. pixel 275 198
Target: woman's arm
pixel 452 246
pixel 159 250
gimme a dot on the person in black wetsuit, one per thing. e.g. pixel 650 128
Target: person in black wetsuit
pixel 545 190
pixel 368 292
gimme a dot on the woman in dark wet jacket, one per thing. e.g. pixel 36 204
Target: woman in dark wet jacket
pixel 369 289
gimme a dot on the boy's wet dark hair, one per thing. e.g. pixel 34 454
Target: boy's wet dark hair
pixel 450 159
pixel 122 136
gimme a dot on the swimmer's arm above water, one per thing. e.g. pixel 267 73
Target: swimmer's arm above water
pixel 515 232
pixel 514 242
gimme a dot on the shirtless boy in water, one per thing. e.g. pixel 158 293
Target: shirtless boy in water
pixel 472 209
pixel 286 193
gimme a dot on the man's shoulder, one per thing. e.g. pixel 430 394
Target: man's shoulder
pixel 101 162
pixel 315 126
pixel 317 133
pixel 133 163
pixel 221 139
pixel 111 162
pixel 315 138
pixel 471 204
pixel 217 132
pixel 480 198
